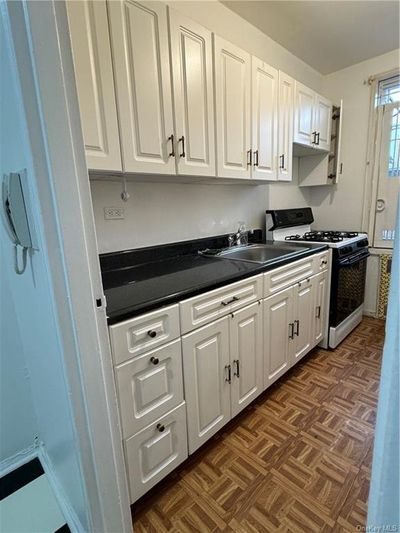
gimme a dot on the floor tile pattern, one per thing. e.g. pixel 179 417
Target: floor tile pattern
pixel 297 460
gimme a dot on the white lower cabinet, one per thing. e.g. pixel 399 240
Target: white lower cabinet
pixel 223 369
pixel 321 311
pixel 149 386
pixel 155 451
pixel 174 397
pixel 206 377
pixel 303 313
pixel 278 332
pixel 246 354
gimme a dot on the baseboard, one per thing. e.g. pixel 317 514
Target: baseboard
pixel 371 313
pixel 17 460
pixel 71 517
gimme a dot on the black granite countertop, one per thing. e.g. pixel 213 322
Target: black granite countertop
pixel 136 281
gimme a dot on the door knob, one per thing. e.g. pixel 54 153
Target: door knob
pixel 380 205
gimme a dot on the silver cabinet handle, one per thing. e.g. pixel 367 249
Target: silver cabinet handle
pixel 318 311
pixel 255 158
pixel 297 322
pixel 291 330
pixel 229 377
pixel 237 363
pixel 228 302
pixel 249 157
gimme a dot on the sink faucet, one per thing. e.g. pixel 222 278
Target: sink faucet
pixel 240 238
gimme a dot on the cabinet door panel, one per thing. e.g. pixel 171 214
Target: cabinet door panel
pixel 232 81
pixel 151 454
pixel 90 42
pixel 278 317
pixel 303 319
pixel 246 338
pixel 304 114
pixel 320 286
pixel 323 122
pixel 149 386
pixel 191 49
pixel 143 84
pixel 264 120
pixel 205 356
pixel 285 127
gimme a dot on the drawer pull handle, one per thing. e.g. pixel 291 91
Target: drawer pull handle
pixel 228 302
pixel 318 312
pixel 297 322
pixel 154 360
pixel 324 262
pixel 152 333
pixel 237 363
pixel 160 428
pixel 291 330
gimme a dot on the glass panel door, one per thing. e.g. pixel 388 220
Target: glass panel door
pixel 388 178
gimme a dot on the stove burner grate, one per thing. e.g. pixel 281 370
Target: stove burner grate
pixel 323 236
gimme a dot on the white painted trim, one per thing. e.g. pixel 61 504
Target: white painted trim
pixel 15 461
pixel 43 54
pixel 67 511
pixel 340 332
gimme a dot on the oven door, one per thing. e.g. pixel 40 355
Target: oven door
pixel 348 286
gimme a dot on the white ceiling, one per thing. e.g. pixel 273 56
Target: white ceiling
pixel 328 35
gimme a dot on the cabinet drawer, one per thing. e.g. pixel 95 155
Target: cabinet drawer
pixel 149 386
pixel 321 261
pixel 144 333
pixel 282 277
pixel 155 451
pixel 207 307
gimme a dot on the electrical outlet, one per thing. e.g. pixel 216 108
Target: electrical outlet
pixel 113 213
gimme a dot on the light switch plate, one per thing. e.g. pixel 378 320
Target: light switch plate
pixel 114 213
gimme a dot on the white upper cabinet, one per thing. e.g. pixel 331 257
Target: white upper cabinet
pixel 191 52
pixel 323 122
pixel 90 41
pixel 139 38
pixel 285 127
pixel 312 119
pixel 264 118
pixel 232 104
pixel 304 114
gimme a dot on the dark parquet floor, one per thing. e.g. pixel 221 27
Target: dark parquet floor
pixel 297 460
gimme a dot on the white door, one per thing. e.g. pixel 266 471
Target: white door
pixel 304 115
pixel 91 49
pixel 149 386
pixel 139 39
pixel 285 127
pixel 388 186
pixel 191 52
pixel 155 451
pixel 323 122
pixel 320 288
pixel 207 376
pixel 246 352
pixel 278 334
pixel 303 312
pixel 232 104
pixel 264 119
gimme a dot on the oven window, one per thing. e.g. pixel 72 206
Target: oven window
pixel 348 285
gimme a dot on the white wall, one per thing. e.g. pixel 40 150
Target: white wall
pixel 159 213
pixel 31 355
pixel 340 207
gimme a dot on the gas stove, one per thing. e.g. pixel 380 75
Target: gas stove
pixel 295 225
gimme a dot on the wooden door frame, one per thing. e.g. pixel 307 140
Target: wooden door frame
pixel 44 60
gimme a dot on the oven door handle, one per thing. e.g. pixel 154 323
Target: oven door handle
pixel 348 261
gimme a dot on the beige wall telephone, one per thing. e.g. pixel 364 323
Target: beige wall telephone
pixel 16 217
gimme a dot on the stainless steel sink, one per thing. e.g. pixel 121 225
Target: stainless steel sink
pixel 257 253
